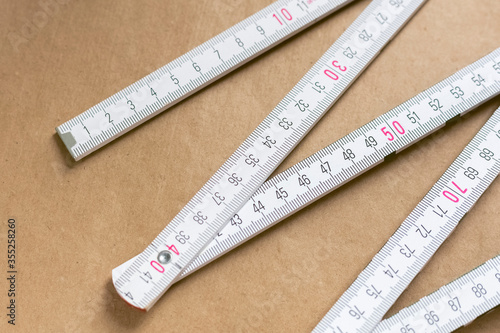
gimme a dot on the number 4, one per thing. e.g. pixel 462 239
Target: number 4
pixel 173 249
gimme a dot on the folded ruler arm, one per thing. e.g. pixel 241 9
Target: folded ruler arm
pixel 151 273
pixel 190 72
pixel 452 306
pixel 326 170
pixel 406 252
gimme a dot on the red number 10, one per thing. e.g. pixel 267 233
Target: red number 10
pixel 285 14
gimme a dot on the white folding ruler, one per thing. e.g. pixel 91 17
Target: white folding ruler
pixel 453 305
pixel 328 169
pixel 406 252
pixel 191 72
pixel 233 184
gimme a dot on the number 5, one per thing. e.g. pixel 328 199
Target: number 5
pixel 388 134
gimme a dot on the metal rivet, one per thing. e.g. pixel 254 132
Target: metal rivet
pixel 164 257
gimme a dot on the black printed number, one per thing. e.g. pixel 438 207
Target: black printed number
pixel 497 67
pixel 457 92
pixel 131 104
pixel 108 116
pixel 200 218
pixel 479 290
pixel 477 79
pixel 356 313
pixel 349 53
pixel 239 42
pixel 435 104
pixel 285 124
pixel 486 154
pixel 396 3
pixel 431 318
pixel 349 155
pixel 301 105
pixel 304 181
pixel 454 304
pixel 252 160
pixel 318 87
pixel 181 237
pixel 370 141
pixel 257 207
pixel 269 142
pixel 236 220
pixel 218 198
pixel 412 116
pixel 174 79
pixel 364 35
pixel 471 173
pixel 406 329
pixel 281 193
pixel 325 167
pixel 234 179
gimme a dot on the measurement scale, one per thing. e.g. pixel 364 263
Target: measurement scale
pixel 191 72
pixel 393 268
pixel 453 305
pixel 157 268
pixel 327 169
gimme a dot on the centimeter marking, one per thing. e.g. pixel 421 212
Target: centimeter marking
pixel 191 72
pixel 453 305
pixel 328 169
pixel 406 252
pixel 233 184
pixel 332 167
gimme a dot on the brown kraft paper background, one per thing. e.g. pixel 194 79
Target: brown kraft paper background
pixel 76 221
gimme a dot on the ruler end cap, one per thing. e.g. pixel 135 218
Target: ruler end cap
pixel 116 273
pixel 69 141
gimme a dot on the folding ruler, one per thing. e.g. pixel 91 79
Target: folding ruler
pixel 327 169
pixel 287 192
pixel 152 272
pixel 177 251
pixel 453 305
pixel 191 72
pixel 392 269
